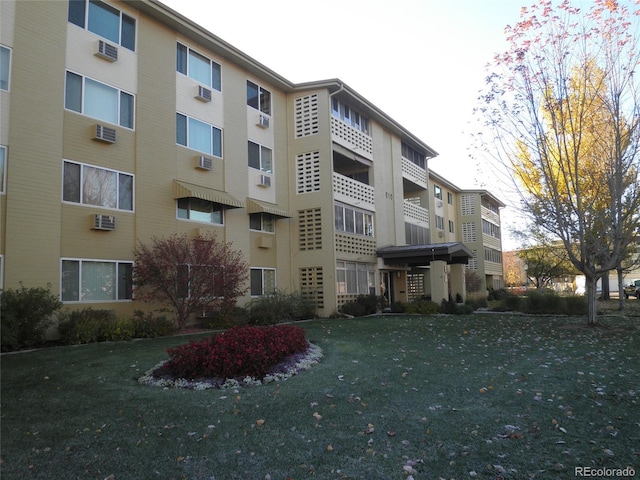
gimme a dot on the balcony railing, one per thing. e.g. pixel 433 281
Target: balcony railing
pixel 413 172
pixel 352 192
pixel 350 138
pixel 416 214
pixel 490 215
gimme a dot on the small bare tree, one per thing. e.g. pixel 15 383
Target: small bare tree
pixel 189 274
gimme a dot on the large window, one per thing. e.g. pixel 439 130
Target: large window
pixel 104 20
pixel 5 64
pixel 96 280
pixel 355 278
pixel 262 222
pixel 3 167
pixel 258 98
pixel 260 157
pixel 198 135
pixel 192 277
pixel 492 255
pixel 97 186
pixel 351 220
pixel 415 234
pixel 414 156
pixel 490 229
pixel 349 115
pixel 200 210
pixel 437 192
pixel 263 281
pixel 98 100
pixel 198 67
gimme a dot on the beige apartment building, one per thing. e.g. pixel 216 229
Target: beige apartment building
pixel 124 120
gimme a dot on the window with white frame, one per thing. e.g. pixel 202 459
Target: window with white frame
pixel 206 279
pixel 198 135
pixel 200 211
pixel 450 198
pixel 258 98
pixel 355 278
pixel 437 192
pixel 439 222
pixel 105 21
pixel 262 222
pixel 3 167
pixel 263 281
pixel 96 280
pixel 490 229
pixel 101 187
pixel 260 157
pixel 5 66
pixel 451 226
pixel 353 220
pixel 197 66
pixel 349 116
pixel 98 100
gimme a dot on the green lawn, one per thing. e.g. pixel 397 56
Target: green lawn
pixel 485 396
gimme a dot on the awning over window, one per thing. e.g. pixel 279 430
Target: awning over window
pixel 255 206
pixel 189 190
pixel 420 255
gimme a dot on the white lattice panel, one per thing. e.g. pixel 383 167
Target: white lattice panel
pixel 306 115
pixel 414 172
pixel 308 172
pixel 352 138
pixel 353 192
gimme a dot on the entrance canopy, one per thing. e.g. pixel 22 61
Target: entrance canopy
pixel 421 255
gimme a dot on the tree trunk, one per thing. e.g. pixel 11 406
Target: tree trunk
pixel 620 289
pixel 592 311
pixel 606 290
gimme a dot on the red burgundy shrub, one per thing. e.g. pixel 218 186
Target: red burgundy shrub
pixel 238 352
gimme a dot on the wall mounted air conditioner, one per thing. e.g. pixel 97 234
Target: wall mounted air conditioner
pixel 103 222
pixel 263 121
pixel 105 134
pixel 107 51
pixel 264 181
pixel 204 94
pixel 439 203
pixel 204 163
pixel 440 233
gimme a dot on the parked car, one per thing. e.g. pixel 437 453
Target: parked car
pixel 632 290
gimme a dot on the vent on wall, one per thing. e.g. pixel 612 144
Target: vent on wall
pixel 204 94
pixel 263 121
pixel 204 163
pixel 103 222
pixel 107 51
pixel 264 181
pixel 105 134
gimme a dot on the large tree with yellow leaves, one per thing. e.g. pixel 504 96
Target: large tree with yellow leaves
pixel 563 104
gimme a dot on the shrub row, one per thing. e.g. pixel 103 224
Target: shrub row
pixel 88 325
pixel 238 352
pixel 280 307
pixel 542 302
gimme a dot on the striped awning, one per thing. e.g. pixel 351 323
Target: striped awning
pixel 189 190
pixel 255 206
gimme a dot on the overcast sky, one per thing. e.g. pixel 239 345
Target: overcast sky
pixel 421 61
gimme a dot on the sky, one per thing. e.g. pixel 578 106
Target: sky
pixel 423 62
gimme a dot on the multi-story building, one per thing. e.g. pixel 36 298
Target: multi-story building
pixel 124 120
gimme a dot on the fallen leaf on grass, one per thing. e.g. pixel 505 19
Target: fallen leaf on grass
pixel 317 416
pixel 329 448
pixel 260 422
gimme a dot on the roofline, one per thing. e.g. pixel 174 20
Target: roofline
pixel 443 180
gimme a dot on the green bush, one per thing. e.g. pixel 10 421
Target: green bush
pixel 224 319
pixel 477 300
pixel 24 316
pixel 576 305
pixel 423 307
pixel 280 307
pixel 545 302
pixel 149 326
pixel 361 306
pixel 509 303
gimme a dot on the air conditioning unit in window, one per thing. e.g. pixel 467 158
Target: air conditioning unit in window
pixel 204 94
pixel 263 121
pixel 439 203
pixel 204 163
pixel 105 134
pixel 103 222
pixel 264 181
pixel 440 233
pixel 107 51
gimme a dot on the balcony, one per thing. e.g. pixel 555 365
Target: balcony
pixel 490 215
pixel 350 138
pixel 352 192
pixel 414 173
pixel 416 214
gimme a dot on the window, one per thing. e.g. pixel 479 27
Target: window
pixel 262 222
pixel 198 67
pixel 258 98
pixel 198 135
pixel 439 222
pixel 350 220
pixel 96 280
pixel 200 210
pixel 98 100
pixel 97 186
pixel 104 20
pixel 5 63
pixel 193 280
pixel 437 192
pixel 263 281
pixel 450 198
pixel 349 116
pixel 3 169
pixel 451 226
pixel 260 157
pixel 490 229
pixel 355 278
pixel 414 156
pixel 492 255
pixel 415 235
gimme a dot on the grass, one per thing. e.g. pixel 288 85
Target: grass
pixel 491 396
